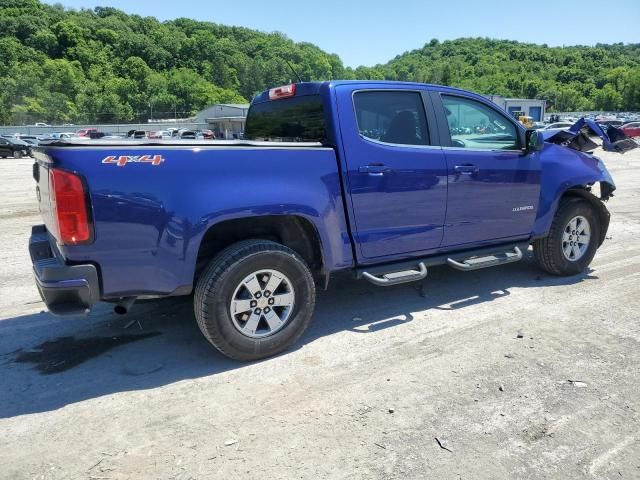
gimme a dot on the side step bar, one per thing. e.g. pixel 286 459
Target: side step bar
pixel 476 263
pixel 474 259
pixel 396 278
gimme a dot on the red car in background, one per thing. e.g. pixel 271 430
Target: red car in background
pixel 631 129
pixel 207 134
pixel 86 132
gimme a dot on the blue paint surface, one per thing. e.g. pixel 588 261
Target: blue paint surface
pixel 150 220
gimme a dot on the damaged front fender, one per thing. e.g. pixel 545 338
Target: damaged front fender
pixel 565 171
pixel 577 137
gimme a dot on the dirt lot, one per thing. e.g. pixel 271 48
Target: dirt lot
pixel 378 376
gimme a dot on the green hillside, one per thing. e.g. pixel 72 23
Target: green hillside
pixel 102 65
pixel 604 77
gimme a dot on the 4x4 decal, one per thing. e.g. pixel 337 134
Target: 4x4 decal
pixel 122 160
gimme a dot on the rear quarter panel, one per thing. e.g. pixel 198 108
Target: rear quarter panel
pixel 150 220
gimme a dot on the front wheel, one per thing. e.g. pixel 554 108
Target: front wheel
pixel 254 300
pixel 17 154
pixel 573 239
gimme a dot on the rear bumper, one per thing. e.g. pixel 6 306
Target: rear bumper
pixel 65 289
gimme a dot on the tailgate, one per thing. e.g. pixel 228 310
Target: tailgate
pixel 41 169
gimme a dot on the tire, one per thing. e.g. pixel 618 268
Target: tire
pixel 17 154
pixel 549 252
pixel 224 281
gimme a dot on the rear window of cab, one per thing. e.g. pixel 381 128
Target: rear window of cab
pixel 295 119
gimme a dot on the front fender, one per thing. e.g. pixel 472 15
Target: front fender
pixel 564 169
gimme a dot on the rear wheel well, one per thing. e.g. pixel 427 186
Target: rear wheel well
pixel 293 231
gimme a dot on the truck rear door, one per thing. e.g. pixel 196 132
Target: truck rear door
pixel 396 176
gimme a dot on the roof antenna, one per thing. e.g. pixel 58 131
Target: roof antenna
pixel 294 71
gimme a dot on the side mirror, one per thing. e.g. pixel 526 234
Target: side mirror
pixel 534 141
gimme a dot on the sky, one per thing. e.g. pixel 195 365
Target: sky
pixel 375 31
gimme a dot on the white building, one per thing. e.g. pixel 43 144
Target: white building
pixel 227 120
pixel 533 108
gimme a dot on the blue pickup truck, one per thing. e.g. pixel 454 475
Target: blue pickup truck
pixel 379 179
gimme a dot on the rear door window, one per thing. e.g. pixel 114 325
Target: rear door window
pixel 394 117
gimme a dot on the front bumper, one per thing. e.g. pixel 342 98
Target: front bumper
pixel 65 289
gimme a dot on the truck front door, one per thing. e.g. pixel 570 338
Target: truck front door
pixel 494 185
pixel 396 178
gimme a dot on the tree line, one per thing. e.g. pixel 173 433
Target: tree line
pixel 102 65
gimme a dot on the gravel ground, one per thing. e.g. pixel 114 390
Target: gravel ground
pixel 415 381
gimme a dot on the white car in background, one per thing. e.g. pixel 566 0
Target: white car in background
pixel 160 134
pixel 558 126
pixel 62 135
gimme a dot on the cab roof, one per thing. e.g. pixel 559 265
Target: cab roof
pixel 315 88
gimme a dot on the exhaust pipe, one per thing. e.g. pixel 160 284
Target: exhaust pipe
pixel 123 307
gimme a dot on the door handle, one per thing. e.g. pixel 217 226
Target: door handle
pixel 374 170
pixel 466 169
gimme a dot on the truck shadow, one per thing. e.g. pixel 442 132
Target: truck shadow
pixel 47 363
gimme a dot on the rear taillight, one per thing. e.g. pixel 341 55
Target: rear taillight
pixel 285 91
pixel 69 208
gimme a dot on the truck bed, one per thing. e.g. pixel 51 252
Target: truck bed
pixel 150 217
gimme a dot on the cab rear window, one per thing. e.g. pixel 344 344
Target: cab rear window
pixel 296 119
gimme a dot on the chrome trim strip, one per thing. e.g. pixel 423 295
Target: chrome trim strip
pixel 177 143
pixel 404 145
pixel 193 148
pixel 482 150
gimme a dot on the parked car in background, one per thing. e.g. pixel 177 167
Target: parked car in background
pixel 14 147
pixel 136 134
pixel 114 136
pixel 59 135
pixel 206 134
pixel 557 126
pixel 41 124
pixel 613 123
pixel 188 135
pixel 26 137
pixel 86 132
pixel 32 141
pixel 631 129
pixel 160 134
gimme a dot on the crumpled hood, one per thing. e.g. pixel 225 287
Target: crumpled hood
pixel 577 137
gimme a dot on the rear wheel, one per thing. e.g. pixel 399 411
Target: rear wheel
pixel 17 154
pixel 255 299
pixel 572 241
